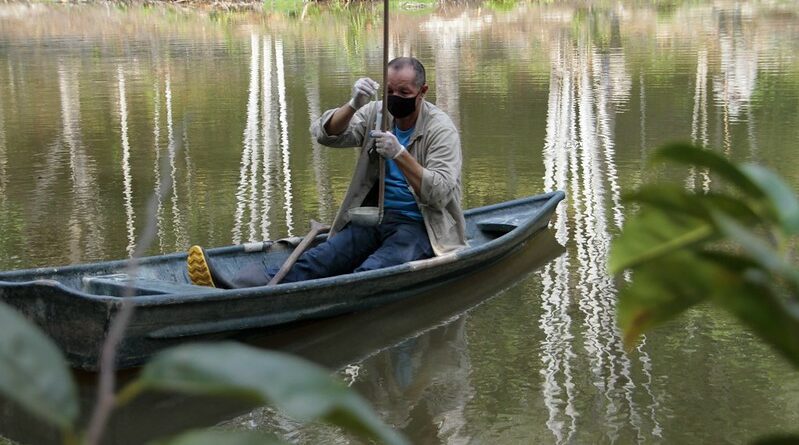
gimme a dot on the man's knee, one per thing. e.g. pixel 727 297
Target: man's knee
pixel 251 276
pixel 402 247
pixel 337 255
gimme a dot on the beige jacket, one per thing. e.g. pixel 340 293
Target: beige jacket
pixel 435 144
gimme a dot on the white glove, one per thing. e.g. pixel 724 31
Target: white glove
pixel 387 144
pixel 362 92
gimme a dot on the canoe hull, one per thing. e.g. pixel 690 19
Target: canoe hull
pixel 79 321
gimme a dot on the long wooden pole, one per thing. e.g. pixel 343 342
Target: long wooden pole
pixel 381 165
pixel 384 124
pixel 317 228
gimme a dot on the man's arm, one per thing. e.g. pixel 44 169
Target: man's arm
pixel 442 169
pixel 362 92
pixel 340 120
pixel 411 169
pixel 433 183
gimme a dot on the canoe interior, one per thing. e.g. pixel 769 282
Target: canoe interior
pixel 166 274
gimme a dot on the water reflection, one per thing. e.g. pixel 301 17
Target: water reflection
pixel 699 119
pixel 320 167
pixel 127 179
pixel 12 90
pixel 446 34
pixel 181 239
pixel 738 54
pixel 735 85
pixel 268 128
pixel 86 223
pixel 424 384
pixel 250 152
pixel 702 71
pixel 613 85
pixel 3 158
pixel 159 213
pixel 588 86
pixel 555 322
pixel 254 201
pixel 284 136
pixel 642 113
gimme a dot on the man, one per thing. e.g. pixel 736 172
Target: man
pixel 422 212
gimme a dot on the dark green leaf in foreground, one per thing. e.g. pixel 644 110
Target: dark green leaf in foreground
pixel 784 203
pixel 675 199
pixel 661 290
pixel 752 298
pixel 653 233
pixel 33 371
pixel 216 437
pixel 298 388
pixel 687 154
pixel 758 249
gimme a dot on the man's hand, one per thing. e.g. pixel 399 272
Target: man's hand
pixel 387 144
pixel 362 92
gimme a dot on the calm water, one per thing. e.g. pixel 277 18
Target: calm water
pixel 99 106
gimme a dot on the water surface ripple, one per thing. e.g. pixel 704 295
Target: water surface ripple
pixel 99 105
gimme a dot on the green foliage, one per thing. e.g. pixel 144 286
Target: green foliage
pixel 33 371
pixel 784 205
pixel 300 389
pixel 655 295
pixel 500 5
pixel 728 247
pixel 288 7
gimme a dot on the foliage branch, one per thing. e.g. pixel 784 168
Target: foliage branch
pixel 34 374
pixel 730 246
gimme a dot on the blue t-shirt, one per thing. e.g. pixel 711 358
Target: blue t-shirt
pixel 398 194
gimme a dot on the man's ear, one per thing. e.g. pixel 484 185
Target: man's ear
pixel 424 89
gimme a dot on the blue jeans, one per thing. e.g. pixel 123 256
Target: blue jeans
pixel 396 240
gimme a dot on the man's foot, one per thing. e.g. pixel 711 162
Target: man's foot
pixel 199 270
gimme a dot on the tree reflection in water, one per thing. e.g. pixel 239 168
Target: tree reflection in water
pixel 587 84
pixel 721 75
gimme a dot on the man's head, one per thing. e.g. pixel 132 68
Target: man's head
pixel 406 87
pixel 404 63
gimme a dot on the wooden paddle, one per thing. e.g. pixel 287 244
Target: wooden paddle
pixel 316 229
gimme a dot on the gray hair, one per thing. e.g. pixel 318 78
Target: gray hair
pixel 401 62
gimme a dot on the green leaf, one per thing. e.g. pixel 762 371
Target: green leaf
pixel 298 388
pixel 758 249
pixel 664 288
pixel 661 290
pixel 784 204
pixel 653 233
pixel 216 437
pixel 687 154
pixel 751 295
pixel 33 371
pixel 676 200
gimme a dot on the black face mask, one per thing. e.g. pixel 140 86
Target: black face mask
pixel 401 107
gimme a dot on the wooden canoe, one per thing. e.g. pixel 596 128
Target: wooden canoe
pixel 75 304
